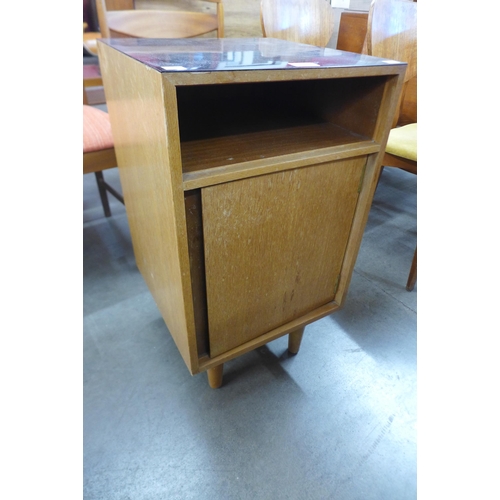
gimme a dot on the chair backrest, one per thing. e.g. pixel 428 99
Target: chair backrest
pixel 302 21
pixel 186 27
pixel 120 4
pixel 352 31
pixel 392 34
pixel 103 6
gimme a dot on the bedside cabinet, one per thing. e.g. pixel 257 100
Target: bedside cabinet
pixel 248 167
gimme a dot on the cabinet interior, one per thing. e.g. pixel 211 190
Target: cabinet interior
pixel 221 125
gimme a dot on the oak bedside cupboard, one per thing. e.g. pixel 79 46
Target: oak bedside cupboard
pixel 248 167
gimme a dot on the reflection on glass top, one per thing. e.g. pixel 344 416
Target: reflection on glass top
pixel 230 54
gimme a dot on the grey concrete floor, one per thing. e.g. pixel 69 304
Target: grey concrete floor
pixel 337 421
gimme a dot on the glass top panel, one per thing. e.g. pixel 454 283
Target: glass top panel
pixel 231 54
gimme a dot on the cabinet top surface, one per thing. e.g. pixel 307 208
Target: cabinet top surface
pixel 231 54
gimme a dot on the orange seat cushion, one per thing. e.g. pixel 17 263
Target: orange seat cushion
pixel 96 130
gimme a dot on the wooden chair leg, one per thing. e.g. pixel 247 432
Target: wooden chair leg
pixel 412 277
pixel 294 340
pixel 101 185
pixel 215 376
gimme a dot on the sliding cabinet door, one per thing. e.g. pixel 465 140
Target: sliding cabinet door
pixel 274 246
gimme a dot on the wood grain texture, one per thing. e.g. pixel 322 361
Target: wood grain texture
pixel 207 362
pixel 151 179
pixel 126 18
pixel 274 247
pixel 95 161
pixel 215 376
pixel 408 108
pixel 294 340
pixel 392 32
pixel 352 31
pixel 261 127
pixel 387 110
pixel 302 21
pixel 120 4
pixel 276 243
pixel 399 162
pixel 243 148
pixel 241 17
pixel 182 78
pixel 251 168
pixel 160 24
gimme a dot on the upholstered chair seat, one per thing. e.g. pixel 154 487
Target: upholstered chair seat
pixel 99 151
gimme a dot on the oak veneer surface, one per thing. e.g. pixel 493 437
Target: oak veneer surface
pixel 303 21
pixel 274 246
pixel 256 121
pixel 352 31
pixel 96 161
pixel 210 153
pixel 237 261
pixel 127 18
pixel 143 23
pixel 392 29
pixel 408 109
pixel 241 17
pixel 120 4
pixel 154 211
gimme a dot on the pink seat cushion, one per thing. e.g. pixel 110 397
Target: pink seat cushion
pixel 91 71
pixel 96 130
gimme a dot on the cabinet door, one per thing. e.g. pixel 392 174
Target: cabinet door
pixel 274 247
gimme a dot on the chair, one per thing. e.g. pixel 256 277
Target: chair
pixel 120 18
pixel 302 21
pixel 352 31
pixel 392 34
pixel 401 152
pixel 99 151
pixel 90 41
pixel 92 82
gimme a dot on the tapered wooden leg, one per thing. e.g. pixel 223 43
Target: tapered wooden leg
pixel 215 376
pixel 294 340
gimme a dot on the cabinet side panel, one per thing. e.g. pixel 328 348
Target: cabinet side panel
pixel 357 108
pixel 152 188
pixel 388 106
pixel 274 247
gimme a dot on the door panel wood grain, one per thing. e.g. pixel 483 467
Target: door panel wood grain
pixel 274 246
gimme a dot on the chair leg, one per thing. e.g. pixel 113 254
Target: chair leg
pixel 102 193
pixel 114 192
pixel 412 277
